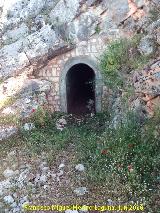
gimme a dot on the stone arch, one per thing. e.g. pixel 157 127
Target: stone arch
pixel 98 81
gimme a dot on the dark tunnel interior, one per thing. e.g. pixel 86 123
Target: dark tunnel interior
pixel 80 86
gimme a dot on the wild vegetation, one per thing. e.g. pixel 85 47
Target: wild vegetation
pixel 126 159
pixel 120 58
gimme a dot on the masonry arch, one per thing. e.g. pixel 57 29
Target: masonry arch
pixel 75 75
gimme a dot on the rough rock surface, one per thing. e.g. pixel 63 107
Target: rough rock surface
pixel 34 31
pixel 147 86
pixel 7 131
pixel 20 97
pixel 147 45
pixel 23 85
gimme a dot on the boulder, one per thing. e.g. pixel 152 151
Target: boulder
pixel 4 186
pixel 8 173
pixel 32 86
pixel 147 46
pixel 7 131
pixel 33 50
pixel 22 86
pixel 80 191
pixel 40 42
pixel 8 199
pixel 85 27
pixel 28 126
pixel 80 167
pixel 61 166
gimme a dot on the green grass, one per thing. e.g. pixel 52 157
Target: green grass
pixel 103 149
pixel 127 156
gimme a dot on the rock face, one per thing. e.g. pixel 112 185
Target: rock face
pixel 28 94
pixel 20 97
pixel 147 86
pixel 34 31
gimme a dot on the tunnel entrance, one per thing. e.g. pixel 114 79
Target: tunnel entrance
pixel 76 72
pixel 80 89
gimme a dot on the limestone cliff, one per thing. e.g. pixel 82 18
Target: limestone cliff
pixel 34 31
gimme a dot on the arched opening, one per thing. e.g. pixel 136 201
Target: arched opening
pixel 80 89
pixel 76 72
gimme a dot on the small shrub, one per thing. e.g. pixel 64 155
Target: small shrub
pixel 41 117
pixel 69 40
pixel 120 58
pixel 97 29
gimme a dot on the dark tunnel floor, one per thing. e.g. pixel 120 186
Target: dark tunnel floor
pixel 80 85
